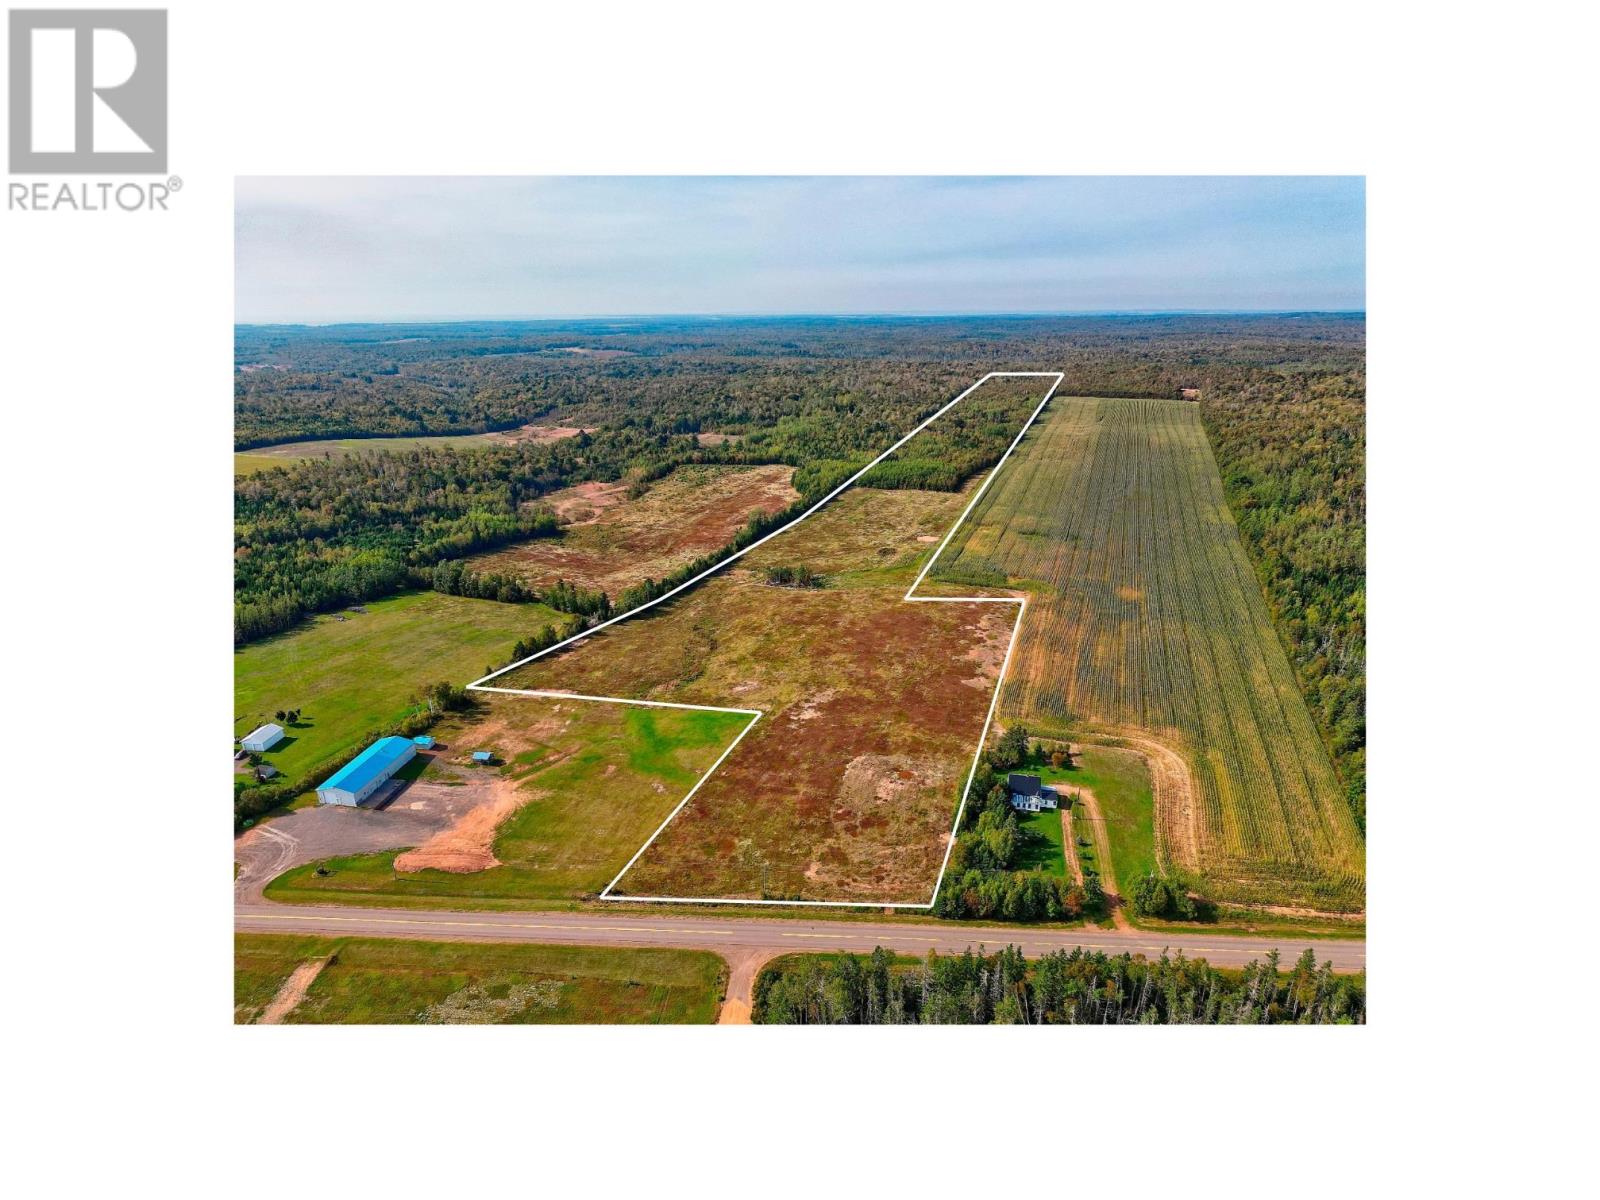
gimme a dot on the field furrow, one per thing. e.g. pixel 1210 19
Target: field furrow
pixel 1148 620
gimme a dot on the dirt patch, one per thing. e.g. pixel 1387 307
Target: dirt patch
pixel 1130 594
pixel 535 434
pixel 874 779
pixel 989 653
pixel 292 992
pixel 583 503
pixel 1071 818
pixel 743 967
pixel 591 352
pixel 811 707
pixel 468 845
pixel 717 439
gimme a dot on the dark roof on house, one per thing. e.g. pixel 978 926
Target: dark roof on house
pixel 1023 785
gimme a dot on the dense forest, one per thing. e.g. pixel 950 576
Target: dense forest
pixel 1077 987
pixel 1282 398
pixel 1294 472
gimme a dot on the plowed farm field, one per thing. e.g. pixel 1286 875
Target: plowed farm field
pixel 1146 622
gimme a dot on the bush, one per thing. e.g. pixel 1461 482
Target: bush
pixel 795 577
pixel 1156 897
pixel 1011 751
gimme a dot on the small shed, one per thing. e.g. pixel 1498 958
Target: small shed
pixel 266 771
pixel 422 743
pixel 482 756
pixel 262 738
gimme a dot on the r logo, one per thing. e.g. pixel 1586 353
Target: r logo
pixel 88 91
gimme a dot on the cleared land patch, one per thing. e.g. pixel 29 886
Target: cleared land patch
pixel 1145 618
pixel 845 789
pixel 375 981
pixel 261 458
pixel 356 673
pixel 612 542
pixel 576 789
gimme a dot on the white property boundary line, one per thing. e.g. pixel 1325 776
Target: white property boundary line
pixel 480 685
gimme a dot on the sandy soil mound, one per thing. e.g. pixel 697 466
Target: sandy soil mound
pixel 467 845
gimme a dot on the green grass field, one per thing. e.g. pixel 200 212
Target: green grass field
pixel 1121 783
pixel 248 462
pixel 359 676
pixel 599 779
pixel 1043 851
pixel 374 981
pixel 1151 622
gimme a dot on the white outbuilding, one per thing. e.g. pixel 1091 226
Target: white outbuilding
pixel 259 741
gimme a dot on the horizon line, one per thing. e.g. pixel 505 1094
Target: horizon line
pixel 927 315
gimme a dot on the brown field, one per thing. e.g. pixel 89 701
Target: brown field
pixel 845 789
pixel 612 542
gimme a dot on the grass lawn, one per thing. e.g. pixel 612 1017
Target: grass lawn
pixel 359 676
pixel 377 981
pixel 599 778
pixel 1120 781
pixel 1042 851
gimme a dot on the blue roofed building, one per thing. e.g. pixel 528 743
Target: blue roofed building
pixel 366 772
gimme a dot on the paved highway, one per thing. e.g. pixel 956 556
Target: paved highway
pixel 742 937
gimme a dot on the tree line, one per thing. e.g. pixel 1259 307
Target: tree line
pixel 327 533
pixel 1065 987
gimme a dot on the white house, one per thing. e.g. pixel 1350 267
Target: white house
pixel 1028 794
pixel 259 741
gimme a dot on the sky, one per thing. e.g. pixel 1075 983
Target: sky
pixel 329 249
